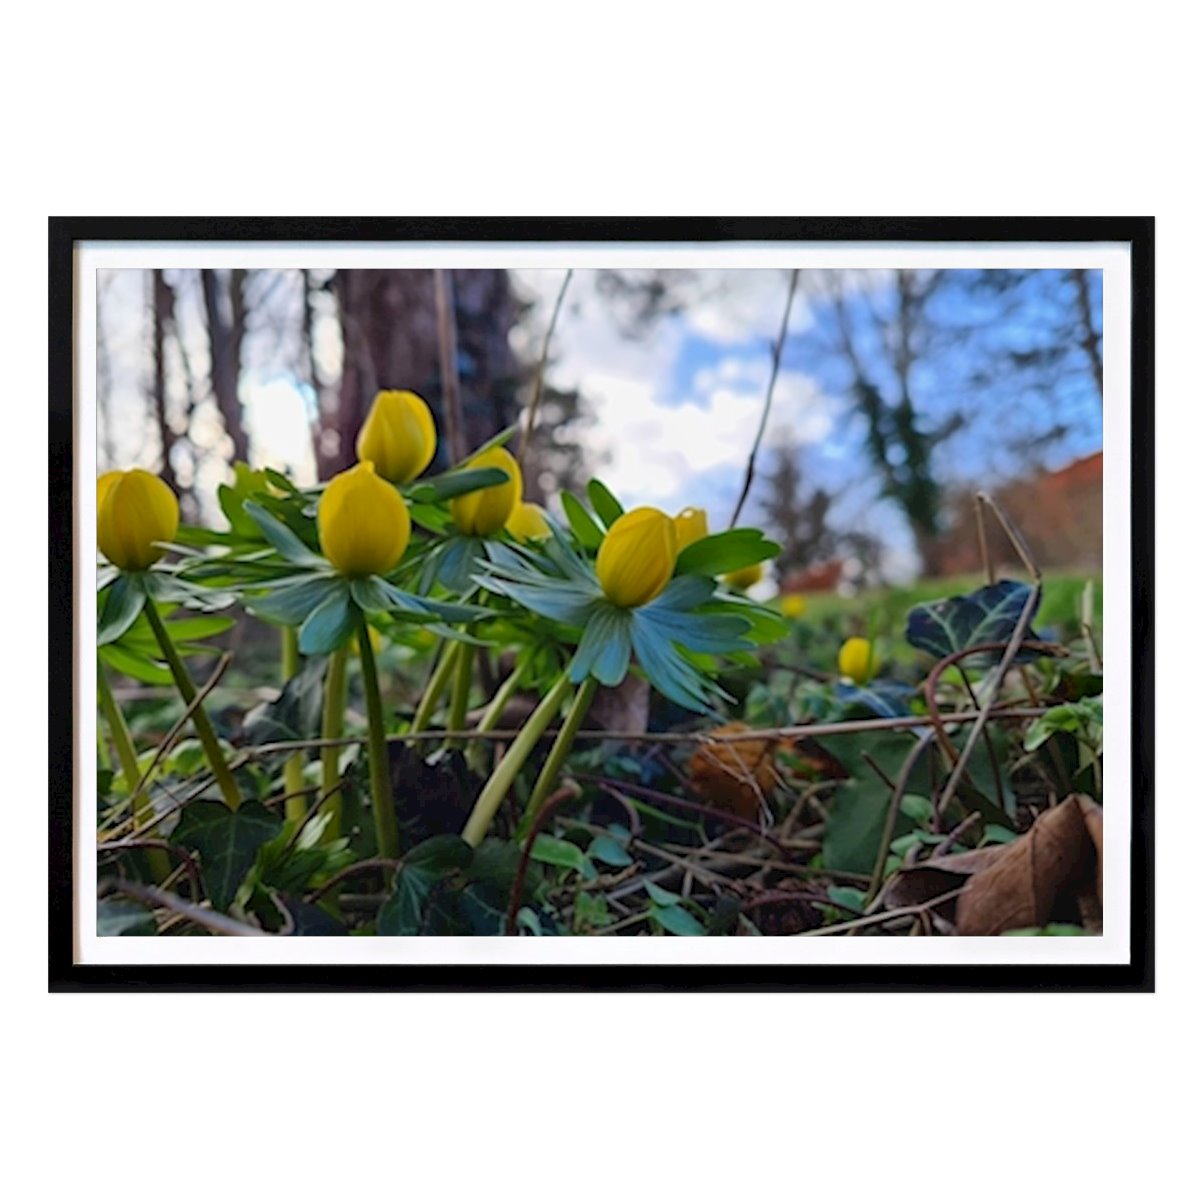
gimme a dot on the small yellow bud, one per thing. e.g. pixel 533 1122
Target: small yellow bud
pixel 745 577
pixel 362 522
pixel 793 606
pixel 528 523
pixel 856 659
pixel 484 512
pixel 637 557
pixel 690 526
pixel 398 436
pixel 134 509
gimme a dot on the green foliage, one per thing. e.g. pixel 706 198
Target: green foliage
pixel 990 614
pixel 720 553
pixel 226 842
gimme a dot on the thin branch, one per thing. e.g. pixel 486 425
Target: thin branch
pixel 776 355
pixel 535 399
pixel 215 922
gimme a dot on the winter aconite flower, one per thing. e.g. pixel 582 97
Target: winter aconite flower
pixel 527 523
pixel 856 659
pixel 134 511
pixel 793 606
pixel 637 557
pixel 486 511
pixel 398 436
pixel 746 577
pixel 690 526
pixel 362 522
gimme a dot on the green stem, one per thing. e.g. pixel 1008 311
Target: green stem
pixel 434 689
pixel 558 753
pixel 505 773
pixel 295 805
pixel 157 860
pixel 477 752
pixel 333 723
pixel 200 721
pixel 464 669
pixel 387 836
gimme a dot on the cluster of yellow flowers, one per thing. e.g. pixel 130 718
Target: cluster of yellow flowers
pixel 364 526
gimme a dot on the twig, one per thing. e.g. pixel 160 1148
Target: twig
pixel 204 917
pixel 353 869
pixel 536 398
pixel 776 355
pixel 889 824
pixel 185 857
pixel 881 918
pixel 565 792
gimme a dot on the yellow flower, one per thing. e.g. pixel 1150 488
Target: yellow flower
pixel 398 436
pixel 745 577
pixel 486 511
pixel 528 523
pixel 793 606
pixel 362 522
pixel 637 557
pixel 856 659
pixel 690 526
pixel 134 509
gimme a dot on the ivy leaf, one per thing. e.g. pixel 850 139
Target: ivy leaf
pixel 404 912
pixel 882 698
pixel 227 843
pixel 295 714
pixel 944 627
pixel 123 918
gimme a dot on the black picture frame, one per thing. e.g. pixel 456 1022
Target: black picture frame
pixel 65 974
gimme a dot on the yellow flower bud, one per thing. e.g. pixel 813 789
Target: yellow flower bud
pixel 793 606
pixel 690 526
pixel 856 659
pixel 528 523
pixel 134 509
pixel 637 557
pixel 362 522
pixel 487 510
pixel 398 436
pixel 745 577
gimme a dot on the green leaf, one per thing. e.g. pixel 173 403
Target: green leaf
pixel 282 538
pixel 456 483
pixel 605 648
pixel 136 666
pixel 944 627
pixel 676 919
pixel 1053 930
pixel 122 603
pixel 848 897
pixel 556 853
pixel 720 553
pixel 1083 718
pixel 405 912
pixel 226 841
pixel 608 507
pixel 295 714
pixel 123 918
pixel 660 895
pixel 582 523
pixel 329 624
pixel 294 604
pixel 609 851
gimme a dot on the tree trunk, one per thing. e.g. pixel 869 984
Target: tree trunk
pixel 225 310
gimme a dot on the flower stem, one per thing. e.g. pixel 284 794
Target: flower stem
pixel 558 753
pixel 295 805
pixel 333 720
pixel 506 772
pixel 464 668
pixel 434 689
pixel 157 860
pixel 203 727
pixel 387 836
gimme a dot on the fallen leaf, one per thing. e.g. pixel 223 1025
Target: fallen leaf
pixel 734 776
pixel 1055 865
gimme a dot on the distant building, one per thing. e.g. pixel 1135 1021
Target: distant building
pixel 1060 513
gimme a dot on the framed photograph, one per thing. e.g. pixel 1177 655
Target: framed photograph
pixel 565 603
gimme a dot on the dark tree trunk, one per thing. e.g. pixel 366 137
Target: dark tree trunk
pixel 225 310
